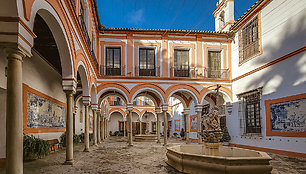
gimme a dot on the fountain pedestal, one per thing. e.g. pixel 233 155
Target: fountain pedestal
pixel 212 148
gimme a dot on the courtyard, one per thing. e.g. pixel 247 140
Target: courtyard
pixel 113 156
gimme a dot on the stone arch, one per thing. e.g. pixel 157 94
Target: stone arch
pixel 158 92
pixel 81 68
pixel 93 94
pixel 117 110
pixel 111 91
pixel 151 111
pixel 191 91
pixel 225 95
pixel 60 33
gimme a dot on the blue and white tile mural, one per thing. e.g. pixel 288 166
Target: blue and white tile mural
pixel 289 116
pixel 43 113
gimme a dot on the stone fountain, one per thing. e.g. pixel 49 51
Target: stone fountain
pixel 213 158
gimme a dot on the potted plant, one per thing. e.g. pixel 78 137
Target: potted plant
pixel 226 137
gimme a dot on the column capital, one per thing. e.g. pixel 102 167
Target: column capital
pixel 94 107
pixel 69 92
pixel 157 110
pixel 198 108
pixel 16 51
pixel 86 100
pixel 129 107
pixel 186 111
pixel 164 107
pixel 69 84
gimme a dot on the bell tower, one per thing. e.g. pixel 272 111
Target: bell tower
pixel 224 15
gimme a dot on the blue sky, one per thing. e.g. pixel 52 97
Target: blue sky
pixel 163 14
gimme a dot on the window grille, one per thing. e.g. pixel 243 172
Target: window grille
pixel 249 40
pixel 249 112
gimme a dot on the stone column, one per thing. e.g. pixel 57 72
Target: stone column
pixel 130 130
pixel 94 130
pixel 165 127
pixel 14 124
pixel 98 126
pixel 124 128
pixel 199 121
pixel 186 114
pixel 158 127
pixel 86 137
pixel 69 128
pixel 102 129
pixel 140 126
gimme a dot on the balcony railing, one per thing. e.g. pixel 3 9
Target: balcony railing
pixel 180 71
pixel 84 28
pixel 95 60
pixel 145 72
pixel 111 71
pixel 216 74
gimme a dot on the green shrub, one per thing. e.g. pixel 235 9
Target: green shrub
pixel 76 139
pixel 226 137
pixel 34 148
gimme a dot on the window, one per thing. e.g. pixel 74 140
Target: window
pixel 249 40
pixel 146 62
pixel 113 61
pixel 251 110
pixel 214 64
pixel 181 63
pixel 153 126
pixel 117 101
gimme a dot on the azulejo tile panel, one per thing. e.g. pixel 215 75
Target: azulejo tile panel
pixel 289 116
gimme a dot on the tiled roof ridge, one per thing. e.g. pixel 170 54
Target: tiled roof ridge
pixel 250 10
pixel 166 30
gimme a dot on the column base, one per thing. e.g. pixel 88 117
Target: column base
pixel 165 145
pixel 86 150
pixel 158 142
pixel 130 145
pixel 68 162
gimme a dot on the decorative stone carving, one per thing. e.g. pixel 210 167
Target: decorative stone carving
pixel 212 132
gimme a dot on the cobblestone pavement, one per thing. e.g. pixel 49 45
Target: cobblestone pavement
pixel 114 157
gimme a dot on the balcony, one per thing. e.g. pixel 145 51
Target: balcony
pixel 216 74
pixel 180 71
pixel 145 72
pixel 111 71
pixel 84 28
pixel 95 60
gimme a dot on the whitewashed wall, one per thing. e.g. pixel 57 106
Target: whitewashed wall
pixel 283 31
pixel 113 123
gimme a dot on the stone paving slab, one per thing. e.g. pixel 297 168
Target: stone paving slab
pixel 114 157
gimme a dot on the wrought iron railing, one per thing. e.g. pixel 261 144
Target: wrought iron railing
pixel 145 72
pixel 95 60
pixel 111 71
pixel 216 74
pixel 180 71
pixel 84 28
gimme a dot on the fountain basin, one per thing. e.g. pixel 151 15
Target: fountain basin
pixel 144 137
pixel 231 160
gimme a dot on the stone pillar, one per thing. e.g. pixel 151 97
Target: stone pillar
pixel 102 129
pixel 140 127
pixel 124 128
pixel 158 127
pixel 98 127
pixel 69 128
pixel 165 127
pixel 86 137
pixel 199 121
pixel 14 124
pixel 94 130
pixel 186 114
pixel 187 127
pixel 130 129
